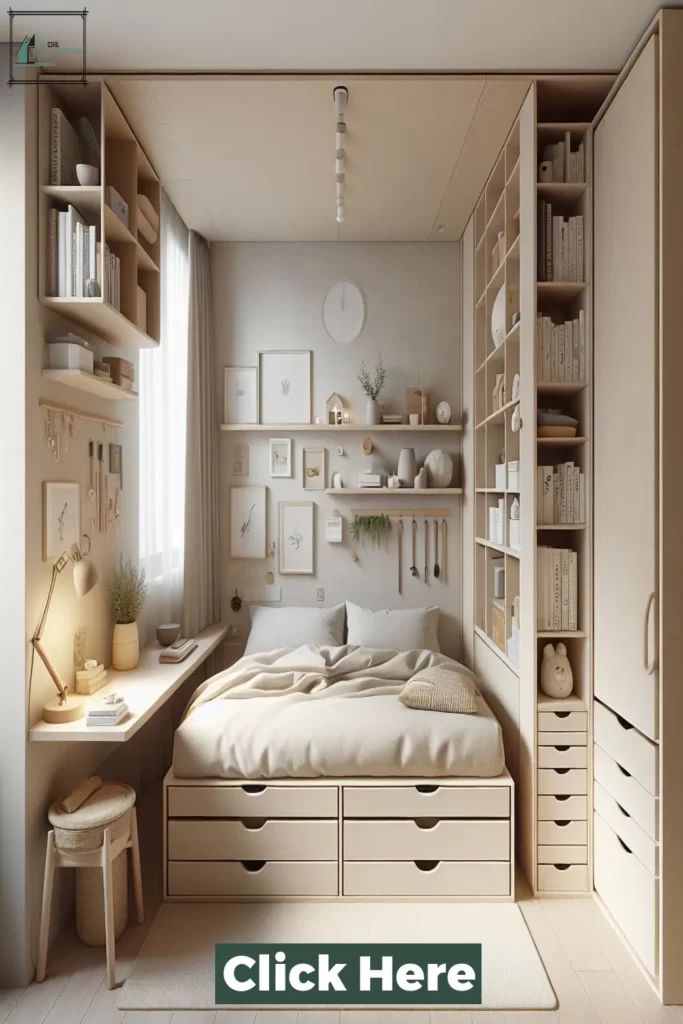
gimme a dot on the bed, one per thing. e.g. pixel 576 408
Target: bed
pixel 297 774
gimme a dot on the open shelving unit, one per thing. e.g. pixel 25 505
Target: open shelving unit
pixel 125 166
pixel 82 381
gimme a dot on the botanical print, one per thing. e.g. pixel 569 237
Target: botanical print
pixel 248 522
pixel 296 537
pixel 61 518
pixel 241 394
pixel 280 456
pixel 314 460
pixel 285 386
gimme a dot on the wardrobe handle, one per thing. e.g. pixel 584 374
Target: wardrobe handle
pixel 649 664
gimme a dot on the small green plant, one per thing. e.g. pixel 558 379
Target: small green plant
pixel 128 589
pixel 372 383
pixel 372 529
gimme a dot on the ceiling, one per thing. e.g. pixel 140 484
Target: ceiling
pixel 252 159
pixel 326 35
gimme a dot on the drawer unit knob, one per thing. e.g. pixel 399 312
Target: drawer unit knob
pixel 253 824
pixel 562 748
pixel 253 789
pixel 253 865
pixel 560 771
pixel 427 823
pixel 562 824
pixel 561 714
pixel 426 789
pixel 427 865
pixel 626 848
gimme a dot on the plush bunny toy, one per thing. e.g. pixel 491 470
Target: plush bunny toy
pixel 556 672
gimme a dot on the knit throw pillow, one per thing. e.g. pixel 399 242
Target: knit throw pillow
pixel 440 689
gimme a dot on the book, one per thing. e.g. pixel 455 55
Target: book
pixel 573 587
pixel 107 714
pixel 53 253
pixel 65 149
pixel 171 659
pixel 61 253
pixel 564 602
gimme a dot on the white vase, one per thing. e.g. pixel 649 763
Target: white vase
pixel 439 466
pixel 407 467
pixel 373 412
pixel 125 648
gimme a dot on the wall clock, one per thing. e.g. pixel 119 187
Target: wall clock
pixel 344 312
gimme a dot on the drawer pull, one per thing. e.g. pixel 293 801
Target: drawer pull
pixel 561 714
pixel 253 865
pixel 562 796
pixel 561 867
pixel 623 770
pixel 426 789
pixel 253 824
pixel 622 722
pixel 427 823
pixel 251 788
pixel 626 848
pixel 622 809
pixel 562 748
pixel 560 771
pixel 427 865
pixel 562 824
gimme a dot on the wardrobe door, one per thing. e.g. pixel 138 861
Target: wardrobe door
pixel 625 358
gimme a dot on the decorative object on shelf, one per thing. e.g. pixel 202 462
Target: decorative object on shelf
pixel 336 410
pixel 420 482
pixel 443 413
pixel 168 633
pixel 498 393
pixel 372 384
pixel 91 677
pixel 516 420
pixel 372 478
pixel 64 707
pixel 314 469
pixel 366 446
pixel 515 317
pixel 280 456
pixel 498 318
pixel 439 468
pixel 417 401
pixel 499 471
pixel 515 387
pixel 498 582
pixel 555 423
pixel 116 462
pixel 337 482
pixel 407 467
pixel 545 171
pixel 370 529
pixel 391 419
pixel 240 395
pixel 393 482
pixel 344 312
pixel 122 371
pixel 557 678
pixel 296 533
pixel 414 419
pixel 500 245
pixel 513 475
pixel 87 175
pixel 61 517
pixel 117 204
pixel 240 460
pixel 248 522
pixel 285 386
pixel 514 525
pixel 128 589
pixel 334 529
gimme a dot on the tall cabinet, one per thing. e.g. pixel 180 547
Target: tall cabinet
pixel 638 494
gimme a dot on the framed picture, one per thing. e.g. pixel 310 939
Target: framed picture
pixel 285 386
pixel 314 461
pixel 240 400
pixel 61 517
pixel 240 460
pixel 116 461
pixel 296 533
pixel 280 456
pixel 248 522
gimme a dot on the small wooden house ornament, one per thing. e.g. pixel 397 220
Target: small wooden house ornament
pixel 335 407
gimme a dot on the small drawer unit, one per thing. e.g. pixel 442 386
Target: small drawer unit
pixel 562 796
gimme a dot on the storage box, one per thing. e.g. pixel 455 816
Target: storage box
pixel 513 475
pixel 499 582
pixel 500 476
pixel 496 523
pixel 66 355
pixel 514 533
pixel 498 625
pixel 116 203
pixel 122 371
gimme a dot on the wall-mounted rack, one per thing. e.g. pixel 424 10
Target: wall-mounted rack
pixel 403 513
pixel 68 410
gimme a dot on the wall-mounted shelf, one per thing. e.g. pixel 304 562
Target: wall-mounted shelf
pixel 349 428
pixel 501 548
pixel 550 387
pixel 560 526
pixel 561 442
pixel 102 319
pixel 561 191
pixel 393 492
pixel 560 289
pixel 82 381
pixel 560 634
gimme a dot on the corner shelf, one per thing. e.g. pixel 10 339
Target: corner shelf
pixel 82 381
pixel 349 428
pixel 394 492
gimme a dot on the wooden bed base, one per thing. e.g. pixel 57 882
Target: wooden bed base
pixel 350 838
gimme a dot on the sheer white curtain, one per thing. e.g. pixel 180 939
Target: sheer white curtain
pixel 163 419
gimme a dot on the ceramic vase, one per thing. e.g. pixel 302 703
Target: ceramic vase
pixel 373 413
pixel 439 466
pixel 421 480
pixel 125 649
pixel 407 467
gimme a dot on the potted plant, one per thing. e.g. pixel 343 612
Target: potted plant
pixel 128 588
pixel 372 384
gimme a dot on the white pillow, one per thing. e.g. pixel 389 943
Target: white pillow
pixel 395 629
pixel 293 626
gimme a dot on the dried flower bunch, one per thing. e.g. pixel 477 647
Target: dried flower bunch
pixel 128 589
pixel 370 528
pixel 372 383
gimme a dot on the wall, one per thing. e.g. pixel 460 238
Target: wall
pixel 269 296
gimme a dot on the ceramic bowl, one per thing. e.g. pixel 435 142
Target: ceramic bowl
pixel 87 174
pixel 168 633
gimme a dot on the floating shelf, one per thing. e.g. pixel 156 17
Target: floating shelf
pixel 394 492
pixel 498 414
pixel 559 388
pixel 82 381
pixel 566 634
pixel 499 353
pixel 86 198
pixel 561 442
pixel 349 428
pixel 560 289
pixel 102 319
pixel 561 191
pixel 560 526
pixel 513 552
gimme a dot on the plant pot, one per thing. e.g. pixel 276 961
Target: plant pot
pixel 407 467
pixel 125 648
pixel 373 412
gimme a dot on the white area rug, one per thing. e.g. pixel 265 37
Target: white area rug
pixel 175 967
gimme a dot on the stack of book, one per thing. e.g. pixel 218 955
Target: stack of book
pixel 72 253
pixel 90 680
pixel 560 245
pixel 560 163
pixel 178 651
pixel 561 494
pixel 109 275
pixel 65 149
pixel 107 714
pixel 560 350
pixel 557 602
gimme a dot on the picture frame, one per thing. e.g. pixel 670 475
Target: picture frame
pixel 296 538
pixel 314 463
pixel 280 457
pixel 285 386
pixel 247 522
pixel 61 517
pixel 116 462
pixel 240 460
pixel 240 394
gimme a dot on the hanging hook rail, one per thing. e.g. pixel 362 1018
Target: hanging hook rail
pixel 68 410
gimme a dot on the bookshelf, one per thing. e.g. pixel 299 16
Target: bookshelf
pixel 125 166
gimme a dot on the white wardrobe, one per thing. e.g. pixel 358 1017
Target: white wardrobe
pixel 638 504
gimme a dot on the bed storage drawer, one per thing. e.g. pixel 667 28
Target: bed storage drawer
pixel 562 855
pixel 253 839
pixel 562 721
pixel 426 878
pixel 252 801
pixel 628 890
pixel 562 757
pixel 255 878
pixel 426 801
pixel 626 790
pixel 427 839
pixel 562 832
pixel 562 877
pixel 562 808
pixel 645 849
pixel 571 781
pixel 627 746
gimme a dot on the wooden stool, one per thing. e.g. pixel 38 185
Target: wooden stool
pixel 92 837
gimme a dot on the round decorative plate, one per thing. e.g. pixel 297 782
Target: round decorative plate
pixel 443 413
pixel 498 318
pixel 344 312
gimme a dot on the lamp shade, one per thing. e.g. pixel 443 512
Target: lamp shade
pixel 85 576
